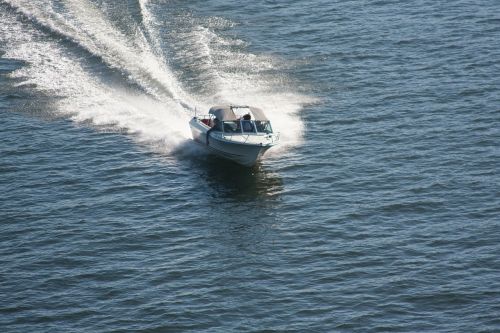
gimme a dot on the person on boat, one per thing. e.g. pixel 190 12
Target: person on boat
pixel 247 124
pixel 215 127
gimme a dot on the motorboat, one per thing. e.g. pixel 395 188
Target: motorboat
pixel 239 133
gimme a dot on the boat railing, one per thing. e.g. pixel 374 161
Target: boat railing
pixel 229 137
pixel 274 137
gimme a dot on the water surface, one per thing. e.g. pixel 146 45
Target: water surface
pixel 378 213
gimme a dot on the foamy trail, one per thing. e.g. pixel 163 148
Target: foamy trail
pixel 160 116
pixel 54 71
pixel 85 25
pixel 149 23
pixel 152 41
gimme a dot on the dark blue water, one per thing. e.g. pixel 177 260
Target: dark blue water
pixel 379 212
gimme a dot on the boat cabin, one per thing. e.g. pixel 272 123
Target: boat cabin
pixel 238 120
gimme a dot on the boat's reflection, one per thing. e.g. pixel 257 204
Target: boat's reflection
pixel 242 204
pixel 230 180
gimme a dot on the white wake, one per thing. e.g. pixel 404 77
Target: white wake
pixel 158 112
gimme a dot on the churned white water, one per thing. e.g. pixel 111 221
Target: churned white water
pixel 150 102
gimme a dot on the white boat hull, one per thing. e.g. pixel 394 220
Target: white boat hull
pixel 244 149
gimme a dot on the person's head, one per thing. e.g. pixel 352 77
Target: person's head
pixel 247 117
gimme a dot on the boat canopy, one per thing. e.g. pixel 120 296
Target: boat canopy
pixel 233 112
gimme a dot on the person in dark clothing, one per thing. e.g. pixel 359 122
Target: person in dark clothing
pixel 247 125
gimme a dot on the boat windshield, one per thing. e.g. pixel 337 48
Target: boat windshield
pixel 247 126
pixel 232 127
pixel 263 126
